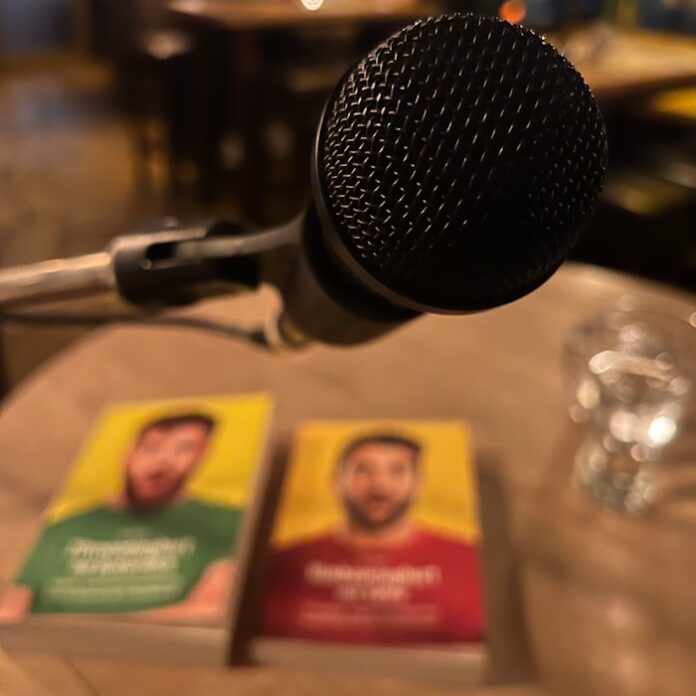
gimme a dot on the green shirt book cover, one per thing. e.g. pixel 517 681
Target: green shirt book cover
pixel 148 521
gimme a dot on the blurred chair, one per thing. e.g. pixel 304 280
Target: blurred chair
pixel 644 224
pixel 296 74
pixel 160 73
pixel 286 86
pixel 168 83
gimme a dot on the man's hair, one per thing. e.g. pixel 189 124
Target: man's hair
pixel 381 439
pixel 171 422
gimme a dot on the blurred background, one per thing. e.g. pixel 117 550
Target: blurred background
pixel 116 113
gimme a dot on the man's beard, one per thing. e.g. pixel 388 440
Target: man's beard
pixel 361 520
pixel 144 504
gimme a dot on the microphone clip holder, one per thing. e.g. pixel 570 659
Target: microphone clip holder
pixel 169 266
pixel 175 267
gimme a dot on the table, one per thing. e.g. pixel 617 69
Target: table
pixel 40 675
pixel 617 64
pixel 591 601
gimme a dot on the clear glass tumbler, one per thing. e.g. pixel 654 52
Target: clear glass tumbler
pixel 629 379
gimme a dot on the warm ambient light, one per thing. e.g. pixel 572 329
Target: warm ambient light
pixel 312 4
pixel 514 11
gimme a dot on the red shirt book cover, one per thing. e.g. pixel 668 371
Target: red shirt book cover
pixel 376 540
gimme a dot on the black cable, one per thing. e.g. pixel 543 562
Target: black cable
pixel 254 336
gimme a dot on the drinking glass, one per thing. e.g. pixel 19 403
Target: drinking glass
pixel 629 379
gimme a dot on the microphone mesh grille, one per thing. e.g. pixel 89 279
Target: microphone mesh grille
pixel 458 160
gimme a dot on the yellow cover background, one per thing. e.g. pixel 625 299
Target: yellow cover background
pixel 447 500
pixel 225 476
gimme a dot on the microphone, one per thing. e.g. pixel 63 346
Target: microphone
pixel 453 171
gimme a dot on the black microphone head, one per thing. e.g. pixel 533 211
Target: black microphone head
pixel 456 164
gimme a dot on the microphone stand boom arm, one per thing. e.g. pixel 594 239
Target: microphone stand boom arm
pixel 159 269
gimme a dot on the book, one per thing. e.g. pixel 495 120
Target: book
pixel 374 562
pixel 140 549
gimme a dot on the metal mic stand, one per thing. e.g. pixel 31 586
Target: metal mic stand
pixel 157 270
pixel 163 268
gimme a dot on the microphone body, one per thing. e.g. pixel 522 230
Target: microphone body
pixel 321 300
pixel 453 171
